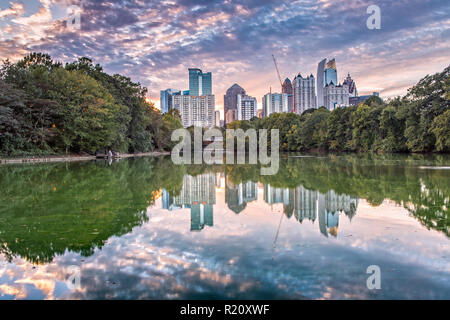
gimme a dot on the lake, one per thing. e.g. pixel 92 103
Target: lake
pixel 145 228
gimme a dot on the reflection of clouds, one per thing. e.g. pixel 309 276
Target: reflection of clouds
pixel 237 259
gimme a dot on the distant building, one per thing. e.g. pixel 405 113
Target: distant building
pixel 166 99
pixel 289 90
pixel 230 101
pixel 237 196
pixel 217 122
pixel 354 101
pixel 320 82
pixel 200 83
pixel 304 93
pixel 336 96
pixel 196 111
pixel 275 103
pixel 331 73
pixel 260 113
pixel 247 107
pixel 352 91
pixel 230 116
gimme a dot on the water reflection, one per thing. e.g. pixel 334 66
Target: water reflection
pixel 146 224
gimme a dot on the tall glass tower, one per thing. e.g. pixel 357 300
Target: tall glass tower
pixel 200 84
pixel 331 73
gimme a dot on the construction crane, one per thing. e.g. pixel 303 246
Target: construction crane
pixel 278 71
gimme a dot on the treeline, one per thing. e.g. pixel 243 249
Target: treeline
pixel 418 122
pixel 48 108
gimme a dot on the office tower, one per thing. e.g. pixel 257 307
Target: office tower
pixel 260 113
pixel 196 111
pixel 288 89
pixel 200 83
pixel 230 116
pixel 230 101
pixel 275 103
pixel 217 119
pixel 168 201
pixel 320 82
pixel 304 93
pixel 336 96
pixel 247 107
pixel 166 100
pixel 330 75
pixel 352 91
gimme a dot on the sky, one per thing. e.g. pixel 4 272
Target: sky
pixel 155 42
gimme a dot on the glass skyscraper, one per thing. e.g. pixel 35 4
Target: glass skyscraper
pixel 200 84
pixel 331 73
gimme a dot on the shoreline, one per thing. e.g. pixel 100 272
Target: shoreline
pixel 74 158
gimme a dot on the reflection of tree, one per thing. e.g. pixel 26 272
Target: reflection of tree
pixel 50 208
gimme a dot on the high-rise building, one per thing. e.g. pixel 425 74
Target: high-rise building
pixel 247 107
pixel 336 96
pixel 304 93
pixel 352 91
pixel 230 101
pixel 200 83
pixel 331 73
pixel 230 116
pixel 217 122
pixel 196 111
pixel 260 113
pixel 320 82
pixel 275 103
pixel 288 89
pixel 167 100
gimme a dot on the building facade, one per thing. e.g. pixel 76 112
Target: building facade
pixel 200 83
pixel 304 93
pixel 320 82
pixel 275 103
pixel 230 102
pixel 352 91
pixel 330 75
pixel 196 111
pixel 289 90
pixel 247 107
pixel 336 96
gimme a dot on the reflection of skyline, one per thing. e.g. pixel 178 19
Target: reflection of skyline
pixel 198 194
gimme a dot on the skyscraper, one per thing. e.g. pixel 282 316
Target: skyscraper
pixel 288 89
pixel 217 119
pixel 247 107
pixel 196 111
pixel 167 100
pixel 331 73
pixel 275 103
pixel 304 93
pixel 200 83
pixel 320 82
pixel 230 102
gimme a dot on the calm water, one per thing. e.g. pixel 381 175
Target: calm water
pixel 147 229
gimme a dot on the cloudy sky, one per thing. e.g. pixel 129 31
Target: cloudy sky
pixel 154 42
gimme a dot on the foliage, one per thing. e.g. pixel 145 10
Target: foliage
pixel 48 108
